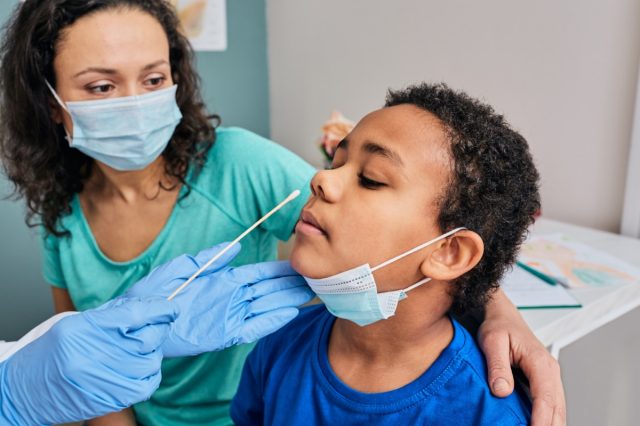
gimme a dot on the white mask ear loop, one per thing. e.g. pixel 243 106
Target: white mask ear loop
pixel 418 284
pixel 413 250
pixel 55 95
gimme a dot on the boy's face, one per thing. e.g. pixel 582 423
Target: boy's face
pixel 379 199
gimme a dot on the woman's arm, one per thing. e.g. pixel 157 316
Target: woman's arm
pixel 121 339
pixel 506 340
pixel 62 303
pixel 121 418
pixel 61 300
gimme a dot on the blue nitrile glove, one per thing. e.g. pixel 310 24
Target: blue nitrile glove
pixel 225 306
pixel 96 362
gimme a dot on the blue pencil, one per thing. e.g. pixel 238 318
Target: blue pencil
pixel 544 277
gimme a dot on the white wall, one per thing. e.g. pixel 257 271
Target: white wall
pixel 601 373
pixel 564 73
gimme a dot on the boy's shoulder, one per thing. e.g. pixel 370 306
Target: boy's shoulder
pixel 454 390
pixel 298 339
pixel 471 381
pixel 309 323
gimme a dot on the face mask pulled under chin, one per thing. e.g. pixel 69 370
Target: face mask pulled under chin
pixel 353 294
pixel 126 133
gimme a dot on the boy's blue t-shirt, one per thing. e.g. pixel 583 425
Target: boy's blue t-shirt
pixel 287 380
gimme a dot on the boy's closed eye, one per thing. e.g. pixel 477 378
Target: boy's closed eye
pixel 368 183
pixel 363 180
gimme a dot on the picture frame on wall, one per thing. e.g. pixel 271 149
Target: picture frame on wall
pixel 204 22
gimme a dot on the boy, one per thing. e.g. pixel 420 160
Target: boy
pixel 432 166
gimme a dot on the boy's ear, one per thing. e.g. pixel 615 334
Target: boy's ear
pixel 453 256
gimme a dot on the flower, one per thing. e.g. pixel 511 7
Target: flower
pixel 333 131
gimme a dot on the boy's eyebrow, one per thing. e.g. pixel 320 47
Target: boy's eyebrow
pixel 375 148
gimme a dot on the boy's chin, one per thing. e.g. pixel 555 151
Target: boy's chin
pixel 297 260
pixel 308 263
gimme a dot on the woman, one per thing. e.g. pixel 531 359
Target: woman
pixel 118 190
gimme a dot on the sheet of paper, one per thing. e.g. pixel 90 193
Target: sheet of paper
pixel 527 291
pixel 580 264
pixel 204 22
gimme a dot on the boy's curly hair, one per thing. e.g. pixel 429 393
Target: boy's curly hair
pixel 493 188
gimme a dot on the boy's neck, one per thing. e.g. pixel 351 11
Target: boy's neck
pixel 391 353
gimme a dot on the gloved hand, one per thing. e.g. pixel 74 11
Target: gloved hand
pixel 225 306
pixel 89 364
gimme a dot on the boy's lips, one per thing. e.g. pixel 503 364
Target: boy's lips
pixel 307 224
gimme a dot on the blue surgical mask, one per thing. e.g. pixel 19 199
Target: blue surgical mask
pixel 126 133
pixel 353 294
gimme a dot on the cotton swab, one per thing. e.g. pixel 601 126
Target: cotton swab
pixel 291 197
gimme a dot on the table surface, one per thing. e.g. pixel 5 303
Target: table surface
pixel 557 328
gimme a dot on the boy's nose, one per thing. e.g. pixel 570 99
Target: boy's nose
pixel 326 185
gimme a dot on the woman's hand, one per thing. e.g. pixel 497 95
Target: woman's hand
pixel 506 340
pixel 88 364
pixel 224 306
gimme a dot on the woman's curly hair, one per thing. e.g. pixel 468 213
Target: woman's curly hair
pixel 44 169
pixel 493 188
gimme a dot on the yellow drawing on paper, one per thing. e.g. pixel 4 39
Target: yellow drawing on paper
pixel 581 265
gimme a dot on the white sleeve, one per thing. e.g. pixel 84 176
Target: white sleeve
pixel 9 348
pixel 4 348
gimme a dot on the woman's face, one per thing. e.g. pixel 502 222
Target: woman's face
pixel 110 54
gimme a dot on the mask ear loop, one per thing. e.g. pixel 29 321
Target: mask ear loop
pixel 418 284
pixel 55 95
pixel 61 103
pixel 420 247
pixel 413 250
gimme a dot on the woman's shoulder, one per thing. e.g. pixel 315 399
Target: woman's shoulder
pixel 241 154
pixel 247 175
pixel 229 135
pixel 68 225
pixel 237 145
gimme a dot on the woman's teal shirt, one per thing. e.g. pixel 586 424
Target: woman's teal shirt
pixel 244 177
